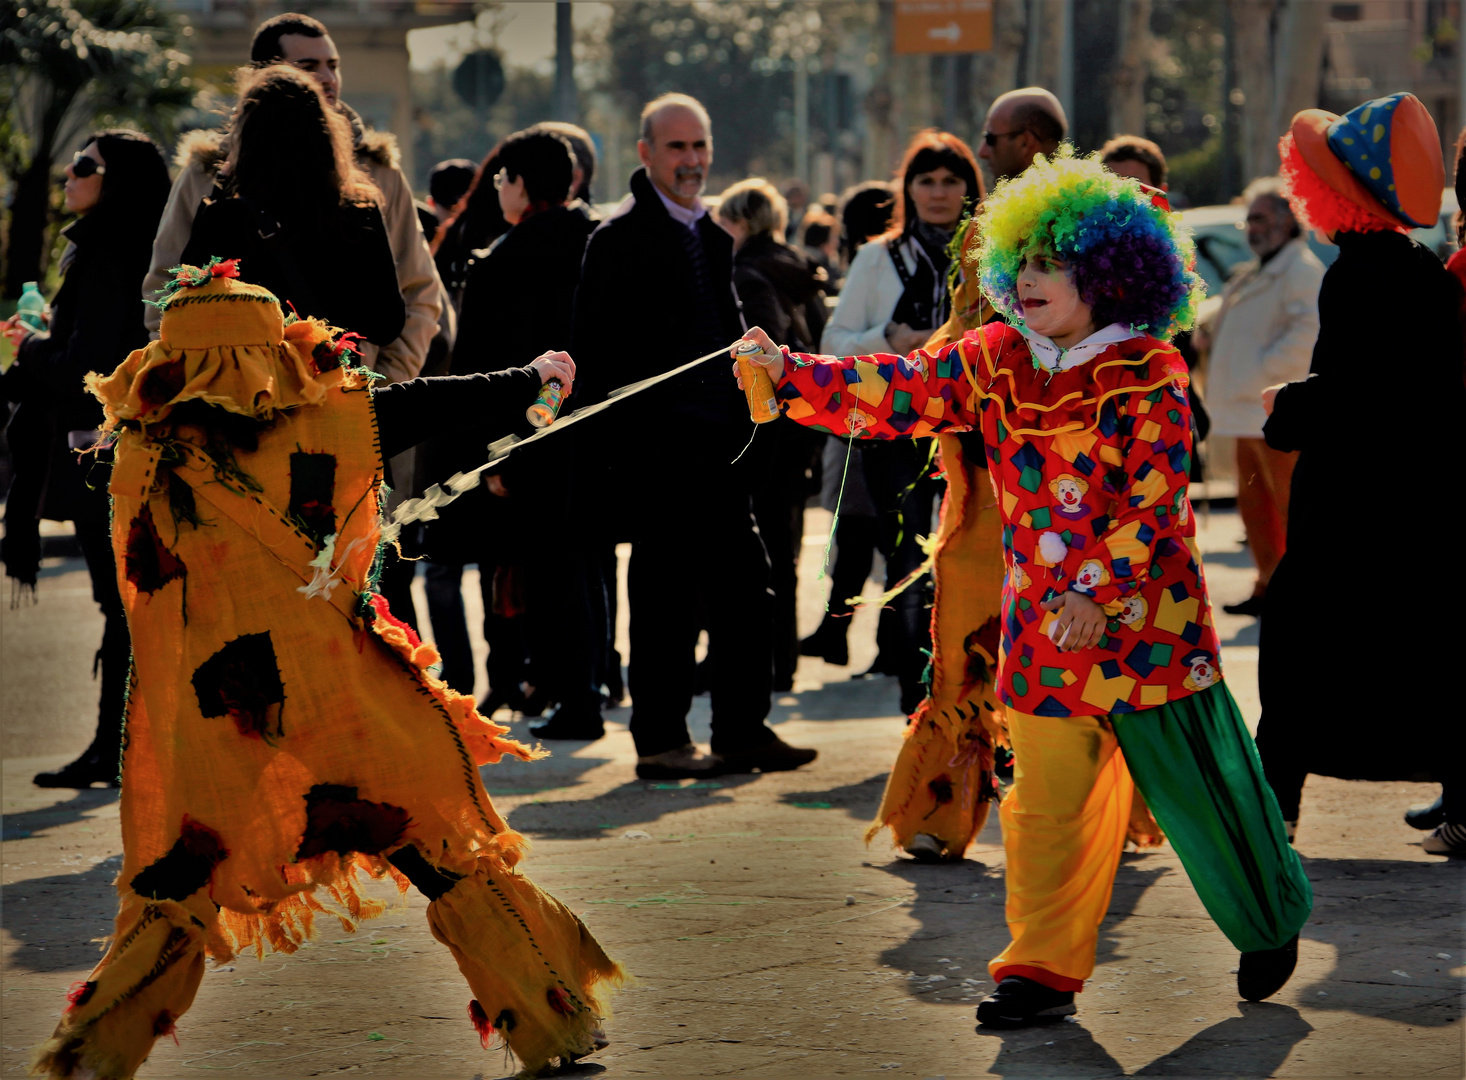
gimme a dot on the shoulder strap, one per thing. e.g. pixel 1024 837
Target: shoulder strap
pixel 893 245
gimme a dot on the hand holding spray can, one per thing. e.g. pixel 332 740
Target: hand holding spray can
pixel 763 406
pixel 542 413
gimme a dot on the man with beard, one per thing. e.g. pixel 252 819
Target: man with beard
pixel 661 262
pixel 304 43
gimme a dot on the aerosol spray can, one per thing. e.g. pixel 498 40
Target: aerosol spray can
pixel 542 413
pixel 757 386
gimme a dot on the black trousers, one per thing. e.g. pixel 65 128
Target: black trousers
pixel 94 533
pixel 697 561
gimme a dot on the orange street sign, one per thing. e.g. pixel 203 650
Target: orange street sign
pixel 944 26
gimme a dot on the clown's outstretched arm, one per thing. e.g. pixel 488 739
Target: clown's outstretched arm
pixel 879 396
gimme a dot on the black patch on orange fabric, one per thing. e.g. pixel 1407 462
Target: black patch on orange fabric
pixel 941 789
pixel 186 868
pixel 242 681
pixel 161 384
pixel 505 1021
pixel 312 489
pixel 336 820
pixel 432 881
pixel 148 562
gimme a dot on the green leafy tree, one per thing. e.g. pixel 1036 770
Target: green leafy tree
pixel 736 57
pixel 70 66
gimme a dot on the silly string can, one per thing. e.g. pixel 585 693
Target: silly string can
pixel 757 386
pixel 547 405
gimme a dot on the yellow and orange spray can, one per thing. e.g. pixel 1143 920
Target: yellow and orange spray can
pixel 763 406
pixel 547 405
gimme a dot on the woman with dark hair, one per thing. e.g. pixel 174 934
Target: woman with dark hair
pixel 478 222
pixel 117 186
pixel 517 300
pixel 894 297
pixel 294 208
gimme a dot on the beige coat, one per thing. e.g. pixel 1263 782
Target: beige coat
pixel 199 156
pixel 1263 334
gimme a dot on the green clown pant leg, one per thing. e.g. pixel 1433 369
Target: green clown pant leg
pixel 1197 767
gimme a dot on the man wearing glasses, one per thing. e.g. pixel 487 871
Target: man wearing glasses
pixel 1020 124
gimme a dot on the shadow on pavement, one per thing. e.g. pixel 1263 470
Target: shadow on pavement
pixel 860 800
pixel 1388 922
pixel 1064 1051
pixel 35 822
pixel 634 803
pixel 74 909
pixel 850 699
pixel 1254 1044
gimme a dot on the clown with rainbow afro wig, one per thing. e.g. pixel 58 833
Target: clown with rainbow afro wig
pixel 1108 680
pixel 1128 257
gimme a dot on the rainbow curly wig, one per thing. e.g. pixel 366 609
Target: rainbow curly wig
pixel 1130 260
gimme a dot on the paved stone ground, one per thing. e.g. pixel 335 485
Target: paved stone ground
pixel 767 940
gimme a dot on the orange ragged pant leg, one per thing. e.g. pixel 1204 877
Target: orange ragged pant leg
pixel 140 988
pixel 1064 825
pixel 534 969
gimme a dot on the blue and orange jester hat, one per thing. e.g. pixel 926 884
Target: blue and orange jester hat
pixel 1378 166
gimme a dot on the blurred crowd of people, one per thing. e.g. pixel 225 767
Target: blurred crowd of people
pixel 507 259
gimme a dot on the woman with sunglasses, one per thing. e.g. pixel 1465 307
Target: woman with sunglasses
pixel 893 299
pixel 116 186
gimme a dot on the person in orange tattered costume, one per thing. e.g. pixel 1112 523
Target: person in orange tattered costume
pixel 283 730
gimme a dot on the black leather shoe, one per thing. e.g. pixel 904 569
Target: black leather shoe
pixel 85 771
pixel 1020 1002
pixel 497 699
pixel 1263 973
pixel 1426 816
pixel 828 643
pixel 1251 607
pixel 568 723
pixel 773 756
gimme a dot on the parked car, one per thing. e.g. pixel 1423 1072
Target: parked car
pixel 1220 233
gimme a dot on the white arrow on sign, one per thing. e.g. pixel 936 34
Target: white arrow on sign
pixel 952 32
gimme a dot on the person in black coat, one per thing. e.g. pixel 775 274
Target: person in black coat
pixel 656 291
pixel 782 291
pixel 118 185
pixel 517 301
pixel 294 208
pixel 1350 671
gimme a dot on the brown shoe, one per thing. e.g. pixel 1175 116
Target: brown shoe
pixel 684 763
pixel 773 756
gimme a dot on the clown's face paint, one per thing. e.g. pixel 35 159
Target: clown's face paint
pixel 1051 303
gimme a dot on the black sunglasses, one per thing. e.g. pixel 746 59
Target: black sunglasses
pixel 992 137
pixel 83 166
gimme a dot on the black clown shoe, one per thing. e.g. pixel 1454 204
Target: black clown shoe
pixel 1263 973
pixel 1020 1003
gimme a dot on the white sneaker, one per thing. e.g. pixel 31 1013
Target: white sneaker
pixel 1446 839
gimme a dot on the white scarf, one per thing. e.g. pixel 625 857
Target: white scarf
pixel 1049 357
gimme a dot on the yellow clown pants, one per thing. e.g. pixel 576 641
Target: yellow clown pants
pixel 1064 825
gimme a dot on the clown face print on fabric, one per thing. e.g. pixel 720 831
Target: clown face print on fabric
pixel 1203 669
pixel 1069 491
pixel 1132 611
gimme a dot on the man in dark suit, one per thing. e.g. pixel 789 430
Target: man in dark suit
pixel 656 290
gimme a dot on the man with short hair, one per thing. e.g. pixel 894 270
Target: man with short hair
pixel 656 290
pixel 1140 159
pixel 305 43
pixel 1020 124
pixel 584 150
pixel 1263 335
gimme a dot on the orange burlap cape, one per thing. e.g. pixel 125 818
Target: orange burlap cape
pixel 283 732
pixel 942 782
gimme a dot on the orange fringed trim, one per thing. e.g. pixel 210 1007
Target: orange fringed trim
pixel 942 783
pixel 287 924
pixel 483 738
